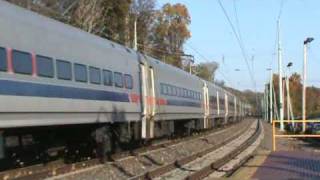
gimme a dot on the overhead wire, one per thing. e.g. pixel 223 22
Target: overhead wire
pixel 235 9
pixel 243 51
pixel 207 59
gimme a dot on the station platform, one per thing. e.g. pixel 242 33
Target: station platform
pixel 294 159
pixel 289 165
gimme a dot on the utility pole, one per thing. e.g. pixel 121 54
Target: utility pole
pixel 288 98
pixel 280 79
pixel 135 43
pixel 305 48
pixel 266 98
pixel 289 107
pixel 270 96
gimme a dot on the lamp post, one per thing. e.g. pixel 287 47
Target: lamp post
pixel 305 48
pixel 280 79
pixel 289 105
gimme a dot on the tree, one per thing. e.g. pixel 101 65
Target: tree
pixel 88 15
pixel 142 11
pixel 206 70
pixel 116 20
pixel 171 32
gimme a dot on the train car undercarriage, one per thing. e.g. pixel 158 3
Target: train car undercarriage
pixel 20 147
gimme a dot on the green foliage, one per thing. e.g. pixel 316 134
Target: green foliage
pixel 206 70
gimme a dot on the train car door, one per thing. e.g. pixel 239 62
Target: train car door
pixel 148 100
pixel 235 107
pixel 218 103
pixel 1 145
pixel 206 106
pixel 226 103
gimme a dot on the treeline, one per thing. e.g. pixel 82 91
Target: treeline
pixel 295 88
pixel 250 97
pixel 161 32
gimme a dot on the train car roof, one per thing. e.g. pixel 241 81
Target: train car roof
pixel 12 10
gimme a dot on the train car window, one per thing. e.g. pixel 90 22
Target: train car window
pixel 64 70
pixel 169 90
pixel 80 73
pixel 107 78
pixel 185 93
pixel 118 79
pixel 128 81
pixel 178 92
pixel 174 91
pixel 22 62
pixel 44 66
pixel 188 94
pixel 3 59
pixel 95 75
pixel 12 141
pixel 27 140
pixel 161 88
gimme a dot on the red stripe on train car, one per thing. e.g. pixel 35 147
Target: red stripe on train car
pixel 161 101
pixel 34 64
pixel 9 60
pixel 134 98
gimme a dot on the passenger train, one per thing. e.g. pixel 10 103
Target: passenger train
pixel 59 85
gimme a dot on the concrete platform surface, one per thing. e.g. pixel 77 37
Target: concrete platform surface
pixel 289 165
pixel 294 159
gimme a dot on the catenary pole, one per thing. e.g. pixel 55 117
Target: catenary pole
pixel 280 79
pixel 270 96
pixel 305 56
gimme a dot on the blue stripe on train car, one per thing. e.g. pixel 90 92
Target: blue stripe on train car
pixel 174 102
pixel 17 88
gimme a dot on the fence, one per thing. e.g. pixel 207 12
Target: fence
pixel 274 135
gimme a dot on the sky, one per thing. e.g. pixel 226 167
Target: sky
pixel 213 37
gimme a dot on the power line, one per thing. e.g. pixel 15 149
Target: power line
pixel 238 40
pixel 237 23
pixel 202 56
pixel 281 8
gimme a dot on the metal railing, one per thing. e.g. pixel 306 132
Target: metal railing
pixel 274 135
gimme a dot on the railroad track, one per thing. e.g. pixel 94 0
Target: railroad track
pixel 218 164
pixel 41 171
pixel 186 168
pixel 153 163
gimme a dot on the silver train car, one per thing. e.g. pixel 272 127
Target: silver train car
pixel 59 83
